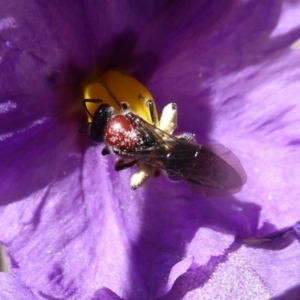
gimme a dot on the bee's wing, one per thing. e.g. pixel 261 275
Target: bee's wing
pixel 212 170
pixel 222 170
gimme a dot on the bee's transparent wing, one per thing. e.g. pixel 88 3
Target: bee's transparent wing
pixel 212 170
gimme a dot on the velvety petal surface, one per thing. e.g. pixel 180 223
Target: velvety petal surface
pixel 72 226
pixel 11 288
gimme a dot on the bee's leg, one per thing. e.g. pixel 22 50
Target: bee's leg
pixel 86 101
pixel 124 106
pixel 151 108
pixel 173 177
pixel 157 172
pixel 122 165
pixel 190 137
pixel 141 175
pixel 106 151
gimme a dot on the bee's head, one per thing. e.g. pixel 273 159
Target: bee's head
pixel 100 119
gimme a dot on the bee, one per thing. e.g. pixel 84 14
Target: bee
pixel 211 170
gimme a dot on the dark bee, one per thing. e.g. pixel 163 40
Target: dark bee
pixel 211 170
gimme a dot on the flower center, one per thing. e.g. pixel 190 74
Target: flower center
pixel 112 88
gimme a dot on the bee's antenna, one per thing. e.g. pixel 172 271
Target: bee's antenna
pixel 85 101
pixel 85 129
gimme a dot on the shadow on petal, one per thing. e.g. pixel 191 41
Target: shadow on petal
pixel 198 275
pixel 171 218
pixel 291 294
pixel 106 294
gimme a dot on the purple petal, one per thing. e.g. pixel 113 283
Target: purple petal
pixel 11 288
pixel 105 294
pixel 178 269
pixel 72 225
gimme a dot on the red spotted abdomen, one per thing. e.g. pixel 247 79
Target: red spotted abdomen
pixel 122 133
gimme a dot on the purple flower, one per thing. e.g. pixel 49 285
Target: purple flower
pixel 71 224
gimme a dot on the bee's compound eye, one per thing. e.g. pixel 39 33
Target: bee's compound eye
pixel 100 119
pixel 122 133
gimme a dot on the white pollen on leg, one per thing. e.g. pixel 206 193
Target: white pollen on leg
pixel 168 120
pixel 141 175
pixel 168 123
